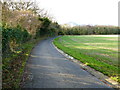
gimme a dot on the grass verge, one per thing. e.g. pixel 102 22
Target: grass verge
pixel 13 66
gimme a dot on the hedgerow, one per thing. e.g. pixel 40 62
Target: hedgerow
pixel 13 38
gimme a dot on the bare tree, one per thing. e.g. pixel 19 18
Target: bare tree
pixel 23 13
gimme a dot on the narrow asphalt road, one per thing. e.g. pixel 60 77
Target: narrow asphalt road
pixel 47 68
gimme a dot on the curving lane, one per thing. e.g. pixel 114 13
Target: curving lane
pixel 47 68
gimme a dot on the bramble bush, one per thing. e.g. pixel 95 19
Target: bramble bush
pixel 13 38
pixel 13 55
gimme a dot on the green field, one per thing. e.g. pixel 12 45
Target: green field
pixel 97 51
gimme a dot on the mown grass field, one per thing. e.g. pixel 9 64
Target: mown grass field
pixel 97 51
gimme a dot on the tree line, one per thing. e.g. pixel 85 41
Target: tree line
pixel 90 30
pixel 23 21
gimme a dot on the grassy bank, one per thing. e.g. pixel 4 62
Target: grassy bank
pixel 97 51
pixel 13 66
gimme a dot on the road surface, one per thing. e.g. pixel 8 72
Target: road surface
pixel 47 68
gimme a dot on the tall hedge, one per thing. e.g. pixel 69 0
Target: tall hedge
pixel 17 36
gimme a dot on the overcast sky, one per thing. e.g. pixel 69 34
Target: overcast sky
pixel 93 12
